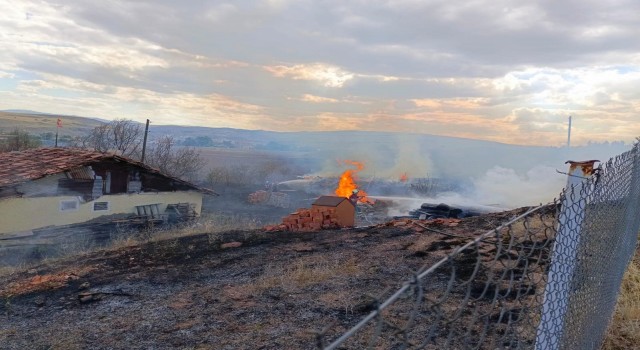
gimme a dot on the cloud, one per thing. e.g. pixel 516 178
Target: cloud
pixel 317 99
pixel 107 102
pixel 494 70
pixel 7 75
pixel 327 75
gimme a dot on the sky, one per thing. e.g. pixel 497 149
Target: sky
pixel 498 70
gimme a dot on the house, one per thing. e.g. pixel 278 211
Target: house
pixel 48 187
pixel 345 210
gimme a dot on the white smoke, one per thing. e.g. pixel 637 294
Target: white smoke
pixel 409 159
pixel 401 154
pixel 496 190
pixel 506 188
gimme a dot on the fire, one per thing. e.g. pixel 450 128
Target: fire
pixel 404 177
pixel 347 182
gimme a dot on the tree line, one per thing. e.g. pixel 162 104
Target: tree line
pixel 18 140
pixel 123 137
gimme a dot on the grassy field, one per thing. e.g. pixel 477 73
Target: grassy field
pixel 37 124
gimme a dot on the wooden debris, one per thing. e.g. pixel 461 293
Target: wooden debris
pixel 87 297
pixel 230 245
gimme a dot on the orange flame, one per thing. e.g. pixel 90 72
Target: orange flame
pixel 347 182
pixel 404 177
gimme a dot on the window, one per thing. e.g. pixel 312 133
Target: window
pixel 69 205
pixel 100 206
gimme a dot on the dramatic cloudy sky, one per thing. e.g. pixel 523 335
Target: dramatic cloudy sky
pixel 508 71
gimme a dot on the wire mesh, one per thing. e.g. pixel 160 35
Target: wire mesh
pixel 496 291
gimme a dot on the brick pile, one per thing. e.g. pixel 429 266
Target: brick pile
pixel 307 220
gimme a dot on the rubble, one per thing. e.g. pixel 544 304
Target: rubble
pixel 309 220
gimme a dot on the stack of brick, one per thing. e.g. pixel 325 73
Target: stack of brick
pixel 307 220
pixel 258 197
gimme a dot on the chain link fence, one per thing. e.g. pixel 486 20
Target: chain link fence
pixel 546 279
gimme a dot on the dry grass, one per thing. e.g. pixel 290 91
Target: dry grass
pixel 535 226
pixel 211 224
pixel 624 330
pixel 304 273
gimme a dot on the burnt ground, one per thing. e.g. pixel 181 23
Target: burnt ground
pixel 200 292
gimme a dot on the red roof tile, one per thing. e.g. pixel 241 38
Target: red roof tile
pixel 22 166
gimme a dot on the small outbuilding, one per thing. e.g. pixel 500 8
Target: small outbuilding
pixel 50 187
pixel 345 210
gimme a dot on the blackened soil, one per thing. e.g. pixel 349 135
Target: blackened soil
pixel 236 290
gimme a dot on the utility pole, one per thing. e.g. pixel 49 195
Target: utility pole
pixel 569 134
pixel 58 126
pixel 144 143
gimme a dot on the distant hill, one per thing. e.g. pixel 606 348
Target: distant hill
pixel 21 111
pixel 38 123
pixel 384 154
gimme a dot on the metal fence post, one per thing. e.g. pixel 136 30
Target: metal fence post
pixel 556 292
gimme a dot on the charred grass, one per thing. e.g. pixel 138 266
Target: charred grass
pixel 190 292
pixel 266 291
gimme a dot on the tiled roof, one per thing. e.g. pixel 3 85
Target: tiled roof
pixel 22 166
pixel 329 201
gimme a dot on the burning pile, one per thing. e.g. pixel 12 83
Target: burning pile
pixel 326 212
pixel 347 186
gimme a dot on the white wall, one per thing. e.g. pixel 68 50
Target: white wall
pixel 23 214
